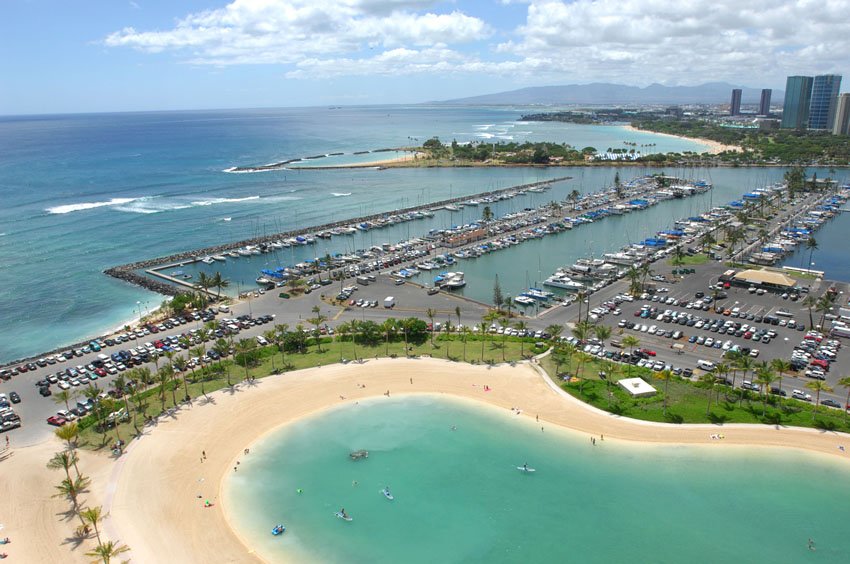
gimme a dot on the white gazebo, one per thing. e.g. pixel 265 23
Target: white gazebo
pixel 637 387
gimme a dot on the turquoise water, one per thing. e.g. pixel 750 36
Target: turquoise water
pixel 459 497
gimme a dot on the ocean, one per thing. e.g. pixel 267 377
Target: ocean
pixel 460 498
pixel 82 193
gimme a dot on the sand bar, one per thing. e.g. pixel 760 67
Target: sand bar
pixel 714 147
pixel 151 492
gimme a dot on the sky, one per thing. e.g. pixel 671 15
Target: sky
pixel 60 56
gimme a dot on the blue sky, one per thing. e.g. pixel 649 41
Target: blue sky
pixel 98 55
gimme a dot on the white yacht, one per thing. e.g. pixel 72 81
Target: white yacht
pixel 561 280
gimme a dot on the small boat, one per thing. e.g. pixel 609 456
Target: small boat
pixel 207 260
pixel 343 516
pixel 278 530
pixel 387 494
pixel 525 469
pixel 220 258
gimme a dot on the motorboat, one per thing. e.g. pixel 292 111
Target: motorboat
pixel 387 494
pixel 525 300
pixel 359 454
pixel 561 280
pixel 278 529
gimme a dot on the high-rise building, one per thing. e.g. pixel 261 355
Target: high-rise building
pixel 842 115
pixel 735 105
pixel 824 99
pixel 764 103
pixel 798 94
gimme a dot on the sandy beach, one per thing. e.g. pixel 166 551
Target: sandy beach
pixel 714 147
pixel 152 491
pixel 371 164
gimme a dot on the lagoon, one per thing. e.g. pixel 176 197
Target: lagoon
pixel 459 497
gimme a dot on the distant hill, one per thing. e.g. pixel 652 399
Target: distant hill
pixel 600 93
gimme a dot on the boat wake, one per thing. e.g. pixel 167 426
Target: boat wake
pixel 341 194
pixel 157 204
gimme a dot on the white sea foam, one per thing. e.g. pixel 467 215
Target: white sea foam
pixel 214 201
pixel 152 204
pixel 485 126
pixel 341 194
pixel 68 208
pixel 485 135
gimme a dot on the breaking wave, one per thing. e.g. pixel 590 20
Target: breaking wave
pixel 68 208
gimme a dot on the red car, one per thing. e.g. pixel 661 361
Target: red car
pixel 23 368
pixel 100 372
pixel 820 362
pixel 56 420
pixel 648 352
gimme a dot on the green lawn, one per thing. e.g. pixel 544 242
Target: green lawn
pixel 687 402
pixel 689 260
pixel 151 403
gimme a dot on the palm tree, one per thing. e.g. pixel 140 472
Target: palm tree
pixel 342 331
pixel 457 313
pixel 812 246
pixel 824 306
pixel 205 282
pixel 845 382
pixel 554 331
pixel 63 460
pixel 63 396
pixel 93 516
pixel 521 327
pixel 708 381
pixel 72 488
pixel 245 348
pixel 430 313
pixel 163 377
pixel 483 328
pixel 317 320
pixel 281 329
pixel 630 342
pixel 390 328
pixel 219 282
pixel 121 387
pixel 818 386
pixel 665 375
pixel 69 433
pixel 602 332
pixel 764 378
pixel 809 302
pixel 222 348
pixel 465 335
pixel 645 271
pixel 180 365
pixel 633 274
pixel 744 364
pixel 108 550
pixel 198 352
pixel 781 366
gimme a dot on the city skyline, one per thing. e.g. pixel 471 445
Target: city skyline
pixel 154 55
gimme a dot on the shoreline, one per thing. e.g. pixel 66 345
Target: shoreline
pixel 151 491
pixel 714 147
pixel 371 164
pixel 167 460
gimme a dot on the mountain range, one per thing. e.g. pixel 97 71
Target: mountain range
pixel 601 93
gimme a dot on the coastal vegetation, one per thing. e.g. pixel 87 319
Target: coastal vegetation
pixel 140 396
pixel 708 400
pixel 511 153
pixel 759 146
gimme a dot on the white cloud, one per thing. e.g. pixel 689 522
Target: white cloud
pixel 281 31
pixel 631 41
pixel 642 41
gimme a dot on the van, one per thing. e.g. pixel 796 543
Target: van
pixel 615 343
pixel 705 365
pixel 223 309
pixel 362 280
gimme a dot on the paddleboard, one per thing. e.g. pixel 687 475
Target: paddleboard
pixel 344 517
pixel 387 495
pixel 524 469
